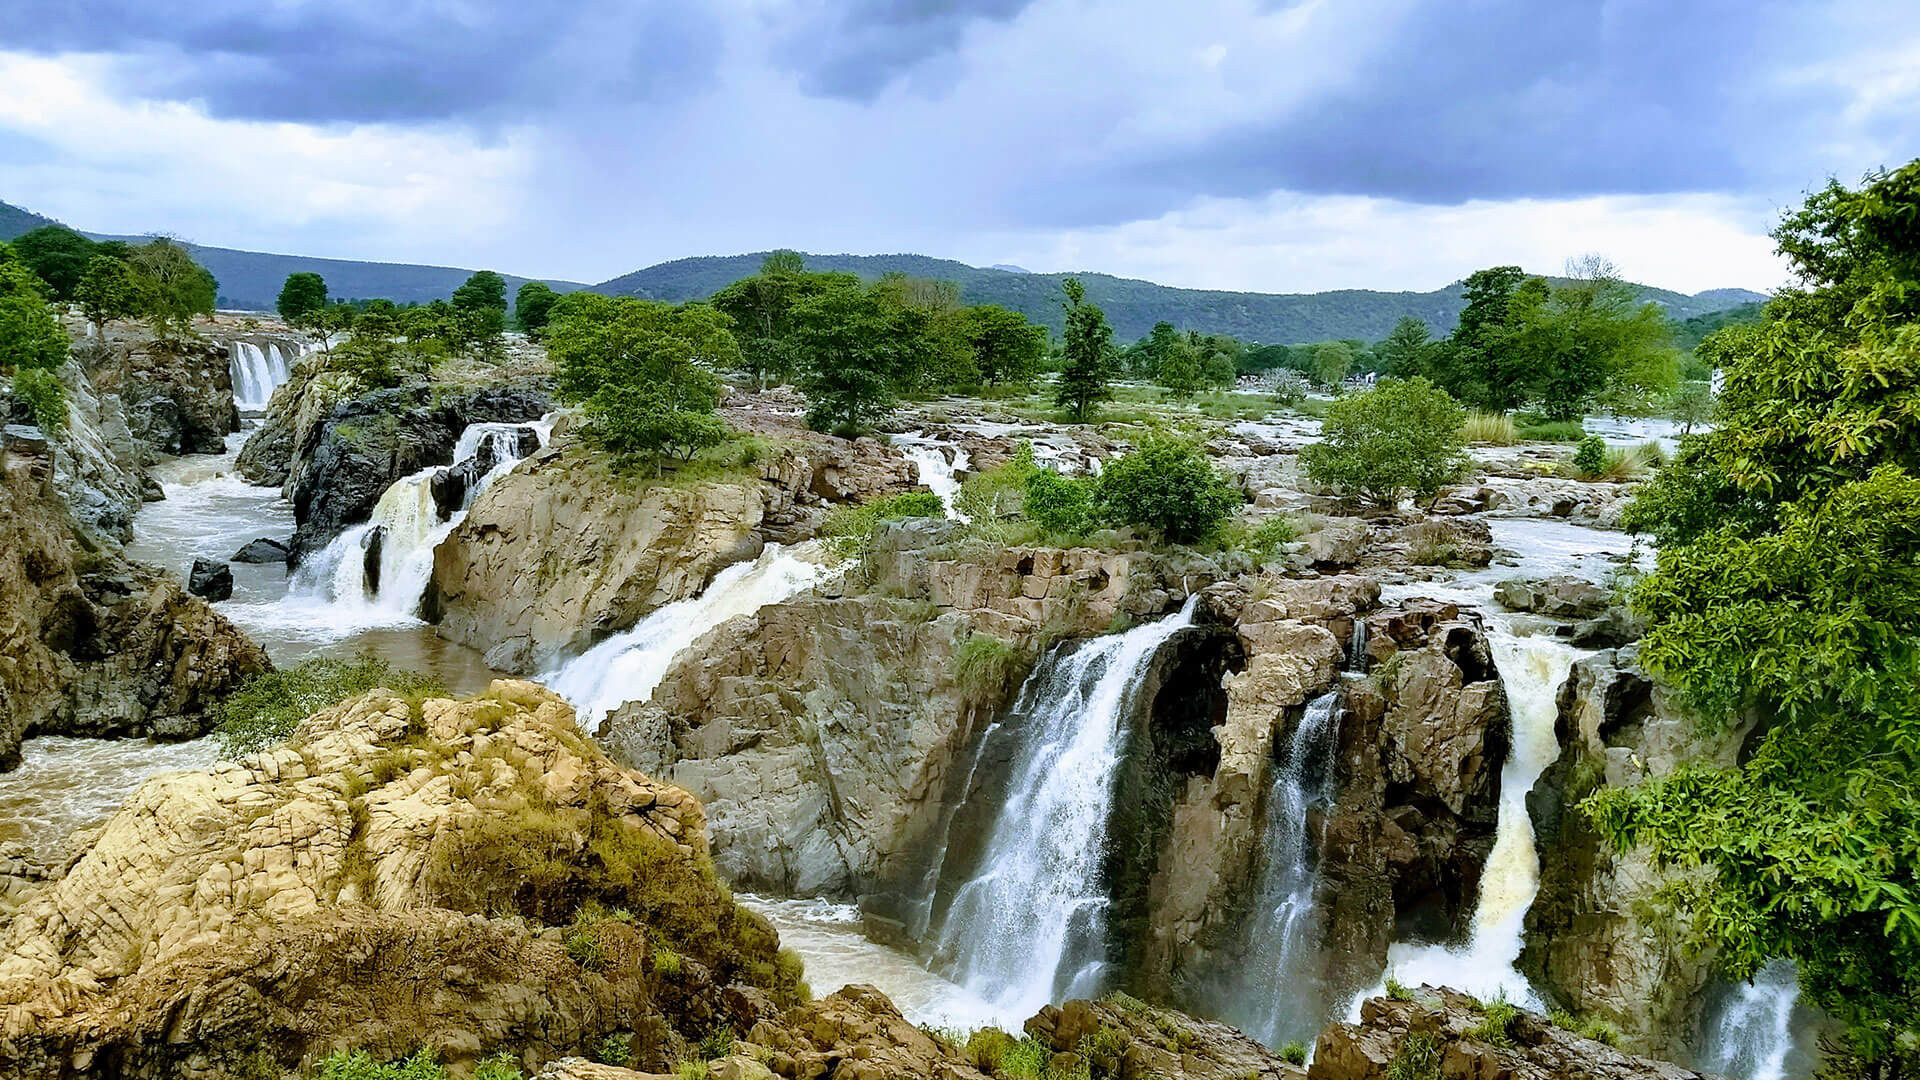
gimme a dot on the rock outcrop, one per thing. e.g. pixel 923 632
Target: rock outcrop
pixel 177 396
pixel 97 466
pixel 1444 1034
pixel 1592 943
pixel 90 643
pixel 462 875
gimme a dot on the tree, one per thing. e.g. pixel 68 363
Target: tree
pixel 168 287
pixel 850 355
pixel 1593 339
pixel 1331 362
pixel 533 306
pixel 1787 591
pixel 303 294
pixel 1477 363
pixel 1690 405
pixel 106 290
pixel 1400 438
pixel 372 355
pixel 762 308
pixel 1403 352
pixel 1166 485
pixel 1180 371
pixel 485 289
pixel 932 328
pixel 1006 347
pixel 783 261
pixel 58 256
pixel 31 339
pixel 1088 367
pixel 643 370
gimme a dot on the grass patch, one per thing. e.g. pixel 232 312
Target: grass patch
pixel 1397 990
pixel 1028 1059
pixel 1496 1022
pixel 358 1065
pixel 1263 541
pixel 1417 1058
pixel 666 962
pixel 1536 430
pixel 850 529
pixel 1592 1028
pixel 1489 429
pixel 1294 1053
pixel 985 664
pixel 691 1070
pixel 267 709
pixel 501 1066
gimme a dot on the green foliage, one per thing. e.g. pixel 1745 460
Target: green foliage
pixel 984 664
pixel 1492 429
pixel 1331 362
pixel 1086 371
pixel 643 370
pixel 1167 485
pixel 1497 1018
pixel 45 394
pixel 58 256
pixel 484 289
pixel 267 709
pixel 30 337
pixel 1397 990
pixel 1690 405
pixel 1400 438
pixel 501 1066
pixel 1007 349
pixel 717 1043
pixel 987 1049
pixel 371 355
pixel 691 1070
pixel 106 291
pixel 1102 1051
pixel 1416 1058
pixel 852 358
pixel 666 962
pixel 533 306
pixel 1590 456
pixel 849 529
pixel 1027 1059
pixel 616 1049
pixel 1057 503
pixel 168 287
pixel 303 294
pixel 1788 586
pixel 359 1065
pixel 1403 353
pixel 1295 1052
pixel 1533 429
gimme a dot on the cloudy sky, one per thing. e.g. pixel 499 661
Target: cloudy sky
pixel 1246 144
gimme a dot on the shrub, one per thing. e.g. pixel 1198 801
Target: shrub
pixel 717 1043
pixel 584 949
pixel 1026 1060
pixel 1494 429
pixel 850 528
pixel 1417 1058
pixel 501 1066
pixel 1294 1053
pixel 267 709
pixel 358 1065
pixel 691 1070
pixel 987 1049
pixel 1058 504
pixel 1431 544
pixel 1400 438
pixel 1289 388
pixel 1595 1028
pixel 666 962
pixel 984 663
pixel 1496 1022
pixel 615 1049
pixel 45 394
pixel 1102 1049
pixel 1166 485
pixel 1532 429
pixel 1265 540
pixel 1590 456
pixel 1397 990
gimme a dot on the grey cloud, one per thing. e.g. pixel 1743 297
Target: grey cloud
pixel 855 52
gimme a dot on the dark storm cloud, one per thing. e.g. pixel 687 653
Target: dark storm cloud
pixel 1508 99
pixel 401 61
pixel 855 51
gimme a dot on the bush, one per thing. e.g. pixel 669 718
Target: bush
pixel 1289 388
pixel 615 1049
pixel 1496 1022
pixel 45 394
pixel 717 1043
pixel 1418 1058
pixel 1166 485
pixel 666 962
pixel 1536 430
pixel 1400 438
pixel 359 1066
pixel 850 528
pixel 267 709
pixel 1058 504
pixel 1397 990
pixel 984 663
pixel 1294 1053
pixel 1027 1059
pixel 691 1070
pixel 992 496
pixel 501 1066
pixel 1590 456
pixel 1431 543
pixel 987 1049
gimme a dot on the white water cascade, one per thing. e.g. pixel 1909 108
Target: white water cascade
pixel 1533 670
pixel 1752 1036
pixel 1272 999
pixel 1030 927
pixel 627 666
pixel 933 468
pixel 385 587
pixel 257 372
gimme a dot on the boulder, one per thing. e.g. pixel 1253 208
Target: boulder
pixel 1561 596
pixel 178 396
pixel 210 580
pixel 1337 542
pixel 1142 1042
pixel 263 550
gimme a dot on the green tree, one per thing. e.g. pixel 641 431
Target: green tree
pixel 301 295
pixel 1056 503
pixel 371 354
pixel 1006 347
pixel 783 261
pixel 762 310
pixel 533 306
pixel 169 288
pixel 643 370
pixel 31 339
pixel 1788 591
pixel 1690 404
pixel 1400 438
pixel 1403 352
pixel 850 355
pixel 1180 372
pixel 484 289
pixel 1592 340
pixel 1167 485
pixel 58 256
pixel 1331 362
pixel 1087 370
pixel 106 290
pixel 1478 363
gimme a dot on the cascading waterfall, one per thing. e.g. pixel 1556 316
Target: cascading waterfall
pixel 384 584
pixel 1030 927
pixel 257 371
pixel 1533 670
pixel 1752 1036
pixel 627 666
pixel 935 470
pixel 1271 998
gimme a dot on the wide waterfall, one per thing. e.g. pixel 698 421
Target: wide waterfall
pixel 376 572
pixel 1273 997
pixel 1751 1035
pixel 1533 670
pixel 1030 927
pixel 257 371
pixel 627 666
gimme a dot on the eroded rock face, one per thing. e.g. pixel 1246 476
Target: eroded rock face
pixel 339 892
pixel 1437 1029
pixel 90 643
pixel 1562 596
pixel 1590 941
pixel 1156 1042
pixel 177 396
pixel 95 463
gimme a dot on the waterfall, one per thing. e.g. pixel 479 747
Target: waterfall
pixel 1272 997
pixel 1030 927
pixel 1533 670
pixel 257 372
pixel 378 570
pixel 932 468
pixel 627 666
pixel 1752 1035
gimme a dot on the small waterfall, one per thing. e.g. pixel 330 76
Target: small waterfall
pixel 1272 998
pixel 932 468
pixel 1533 670
pixel 257 372
pixel 1030 927
pixel 627 666
pixel 379 569
pixel 1752 1034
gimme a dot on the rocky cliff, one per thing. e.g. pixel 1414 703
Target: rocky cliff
pixel 466 875
pixel 91 643
pixel 97 466
pixel 177 396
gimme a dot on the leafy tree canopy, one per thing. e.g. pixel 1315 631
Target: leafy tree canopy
pixel 533 306
pixel 1167 485
pixel 31 339
pixel 168 287
pixel 1088 364
pixel 485 289
pixel 302 295
pixel 58 255
pixel 1400 438
pixel 644 371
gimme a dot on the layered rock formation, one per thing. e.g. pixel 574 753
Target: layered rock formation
pixel 397 875
pixel 90 643
pixel 1592 942
pixel 97 466
pixel 177 396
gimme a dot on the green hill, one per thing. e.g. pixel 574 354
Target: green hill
pixel 1133 306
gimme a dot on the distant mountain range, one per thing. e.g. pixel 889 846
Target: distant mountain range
pixel 250 279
